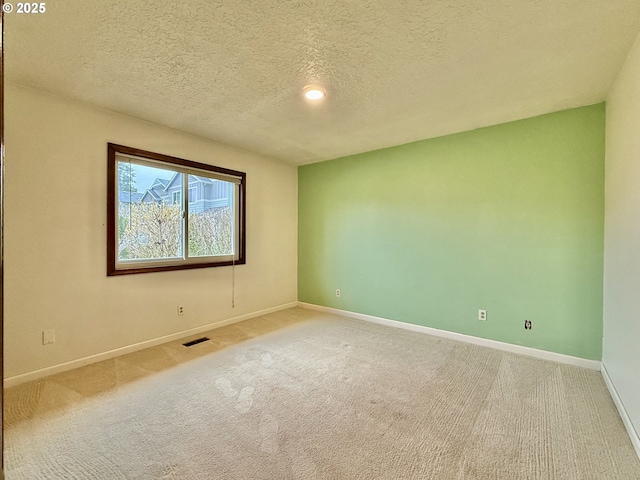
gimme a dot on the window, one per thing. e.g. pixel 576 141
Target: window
pixel 157 221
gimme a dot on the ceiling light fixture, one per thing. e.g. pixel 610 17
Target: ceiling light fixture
pixel 314 92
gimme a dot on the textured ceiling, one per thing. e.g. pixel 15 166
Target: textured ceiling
pixel 395 72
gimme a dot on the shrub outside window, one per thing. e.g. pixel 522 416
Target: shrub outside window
pixel 167 213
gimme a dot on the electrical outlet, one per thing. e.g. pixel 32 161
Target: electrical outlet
pixel 337 292
pixel 48 337
pixel 180 310
pixel 527 325
pixel 482 315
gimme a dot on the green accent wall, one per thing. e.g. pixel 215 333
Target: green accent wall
pixel 508 218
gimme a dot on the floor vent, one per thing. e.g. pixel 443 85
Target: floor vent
pixel 195 342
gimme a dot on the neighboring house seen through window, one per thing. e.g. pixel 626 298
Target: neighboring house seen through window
pixel 153 225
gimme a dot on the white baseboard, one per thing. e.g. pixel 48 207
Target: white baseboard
pixel 507 347
pixel 626 420
pixel 80 362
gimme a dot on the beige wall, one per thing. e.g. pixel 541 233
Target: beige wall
pixel 55 250
pixel 621 342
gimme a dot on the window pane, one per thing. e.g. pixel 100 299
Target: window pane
pixel 211 204
pixel 150 222
pixel 157 202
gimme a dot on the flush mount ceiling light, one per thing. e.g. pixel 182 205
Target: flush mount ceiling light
pixel 314 92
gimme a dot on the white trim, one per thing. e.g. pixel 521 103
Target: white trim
pixel 626 420
pixel 80 362
pixel 507 347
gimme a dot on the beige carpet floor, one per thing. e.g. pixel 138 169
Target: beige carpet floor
pixel 303 395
